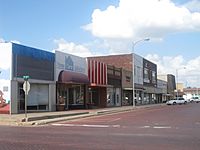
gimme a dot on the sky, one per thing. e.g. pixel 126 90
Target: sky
pixel 106 27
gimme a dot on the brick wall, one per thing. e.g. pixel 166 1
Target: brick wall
pixel 121 61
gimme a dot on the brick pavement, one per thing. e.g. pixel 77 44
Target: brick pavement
pixel 41 118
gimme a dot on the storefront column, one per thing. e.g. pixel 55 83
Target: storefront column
pixel 52 97
pixel 142 96
pixel 14 98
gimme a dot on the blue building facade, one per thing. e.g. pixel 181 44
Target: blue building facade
pixel 39 66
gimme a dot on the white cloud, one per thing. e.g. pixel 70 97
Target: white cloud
pixel 135 19
pixel 116 46
pixel 193 5
pixel 2 40
pixel 12 41
pixel 72 48
pixel 5 57
pixel 169 64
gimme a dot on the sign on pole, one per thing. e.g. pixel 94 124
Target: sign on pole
pixel 26 88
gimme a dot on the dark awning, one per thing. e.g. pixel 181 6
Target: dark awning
pixel 73 77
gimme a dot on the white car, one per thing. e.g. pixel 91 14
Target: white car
pixel 195 99
pixel 179 100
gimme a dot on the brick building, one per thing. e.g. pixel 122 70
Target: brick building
pixel 145 77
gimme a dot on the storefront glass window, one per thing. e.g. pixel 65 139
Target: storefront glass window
pixel 146 75
pixel 79 94
pixel 153 77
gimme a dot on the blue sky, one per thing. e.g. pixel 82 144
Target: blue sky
pixel 102 27
pixel 38 23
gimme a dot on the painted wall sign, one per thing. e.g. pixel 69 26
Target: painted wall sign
pixel 64 61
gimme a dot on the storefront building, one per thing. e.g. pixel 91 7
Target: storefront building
pixel 39 66
pixel 171 85
pixel 118 68
pixel 97 74
pixel 127 87
pixel 72 81
pixel 162 91
pixel 138 80
pixel 150 81
pixel 125 62
pixel 61 81
pixel 145 78
pixel 114 90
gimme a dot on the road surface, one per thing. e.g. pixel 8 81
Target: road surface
pixel 156 128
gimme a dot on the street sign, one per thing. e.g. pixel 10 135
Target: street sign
pixel 26 87
pixel 26 78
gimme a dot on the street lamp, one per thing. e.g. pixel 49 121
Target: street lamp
pixel 133 64
pixel 177 80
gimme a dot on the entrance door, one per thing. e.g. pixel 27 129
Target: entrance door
pixel 71 96
pixel 62 96
pixel 118 97
pixel 94 96
pixel 76 96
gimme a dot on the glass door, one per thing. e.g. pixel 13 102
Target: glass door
pixel 62 96
pixel 76 95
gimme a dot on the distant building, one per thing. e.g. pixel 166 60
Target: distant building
pixel 191 92
pixel 171 84
pixel 180 86
pixel 162 89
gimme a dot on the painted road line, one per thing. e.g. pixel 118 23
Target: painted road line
pixel 156 127
pixel 114 120
pixel 143 127
pixel 116 126
pixel 198 123
pixel 86 125
pixel 162 127
pixel 94 126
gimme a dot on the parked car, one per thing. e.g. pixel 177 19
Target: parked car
pixel 195 99
pixel 179 100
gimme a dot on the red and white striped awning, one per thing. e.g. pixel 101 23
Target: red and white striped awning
pixel 97 73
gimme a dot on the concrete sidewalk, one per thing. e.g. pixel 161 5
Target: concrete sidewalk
pixel 41 118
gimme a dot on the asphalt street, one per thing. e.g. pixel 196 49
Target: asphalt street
pixel 157 128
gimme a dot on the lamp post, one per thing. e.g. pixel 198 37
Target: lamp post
pixel 133 64
pixel 177 80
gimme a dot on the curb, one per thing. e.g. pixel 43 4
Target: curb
pixel 36 118
pixel 113 111
pixel 48 121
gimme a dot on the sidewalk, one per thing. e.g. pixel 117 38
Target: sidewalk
pixel 41 118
